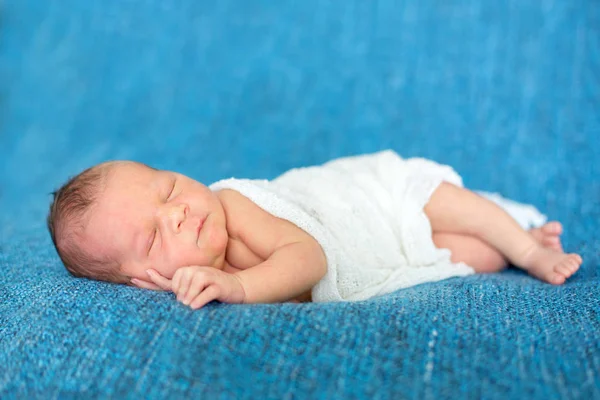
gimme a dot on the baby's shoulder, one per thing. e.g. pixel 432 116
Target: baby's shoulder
pixel 234 203
pixel 258 229
pixel 242 214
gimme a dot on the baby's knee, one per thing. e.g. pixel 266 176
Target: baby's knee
pixel 483 261
pixel 472 251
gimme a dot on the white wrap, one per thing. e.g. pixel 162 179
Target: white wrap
pixel 367 213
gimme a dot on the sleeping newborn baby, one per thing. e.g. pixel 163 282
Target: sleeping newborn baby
pixel 350 229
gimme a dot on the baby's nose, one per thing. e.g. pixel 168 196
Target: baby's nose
pixel 176 215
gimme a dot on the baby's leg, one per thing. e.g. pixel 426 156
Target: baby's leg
pixel 486 259
pixel 452 209
pixel 472 251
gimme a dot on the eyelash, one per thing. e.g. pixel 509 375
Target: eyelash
pixel 152 242
pixel 172 190
pixel 156 230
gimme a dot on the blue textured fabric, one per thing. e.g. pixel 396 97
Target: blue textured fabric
pixel 508 93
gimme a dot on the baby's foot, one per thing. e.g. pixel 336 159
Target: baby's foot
pixel 549 235
pixel 550 265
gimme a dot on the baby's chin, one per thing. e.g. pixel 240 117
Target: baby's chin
pixel 214 246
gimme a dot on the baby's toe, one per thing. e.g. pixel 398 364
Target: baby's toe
pixel 564 270
pixel 557 278
pixel 552 228
pixel 573 261
pixel 567 267
pixel 553 242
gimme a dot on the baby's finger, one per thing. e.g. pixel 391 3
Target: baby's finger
pixel 184 286
pixel 197 285
pixel 160 280
pixel 146 285
pixel 207 295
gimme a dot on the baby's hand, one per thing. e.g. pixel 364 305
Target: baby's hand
pixel 195 286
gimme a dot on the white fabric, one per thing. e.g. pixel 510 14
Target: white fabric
pixel 367 213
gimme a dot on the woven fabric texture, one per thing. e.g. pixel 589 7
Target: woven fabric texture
pixel 508 93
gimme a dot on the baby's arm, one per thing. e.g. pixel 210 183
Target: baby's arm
pixel 294 260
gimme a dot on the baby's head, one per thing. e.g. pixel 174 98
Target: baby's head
pixel 115 220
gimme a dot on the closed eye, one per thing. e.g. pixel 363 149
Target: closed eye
pixel 155 233
pixel 172 190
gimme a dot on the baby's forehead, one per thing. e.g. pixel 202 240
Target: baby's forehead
pixel 129 171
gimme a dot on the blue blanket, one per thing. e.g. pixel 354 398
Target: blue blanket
pixel 505 92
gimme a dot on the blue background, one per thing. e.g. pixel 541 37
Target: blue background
pixel 508 93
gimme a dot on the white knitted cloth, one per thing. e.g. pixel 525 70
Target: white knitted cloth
pixel 367 213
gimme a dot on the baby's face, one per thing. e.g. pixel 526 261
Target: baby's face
pixel 156 219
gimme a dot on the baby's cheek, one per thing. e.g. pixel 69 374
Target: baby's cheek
pixel 165 267
pixel 168 272
pixel 182 258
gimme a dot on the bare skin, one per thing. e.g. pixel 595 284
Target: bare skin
pixel 486 259
pixel 483 235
